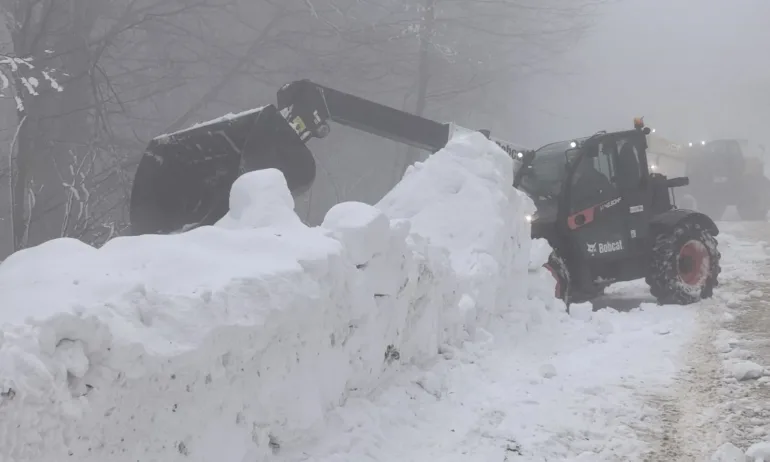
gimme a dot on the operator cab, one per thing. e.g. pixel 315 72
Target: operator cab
pixel 542 177
pixel 595 197
pixel 593 166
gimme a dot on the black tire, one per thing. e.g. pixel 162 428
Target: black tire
pixel 558 268
pixel 675 277
pixel 755 203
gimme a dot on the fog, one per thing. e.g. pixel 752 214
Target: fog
pixel 694 69
pixel 531 71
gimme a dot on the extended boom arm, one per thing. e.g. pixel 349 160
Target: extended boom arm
pixel 184 179
pixel 308 106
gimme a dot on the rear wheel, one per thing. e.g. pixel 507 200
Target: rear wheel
pixel 685 265
pixel 558 268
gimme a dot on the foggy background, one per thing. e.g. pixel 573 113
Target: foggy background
pixel 532 71
pixel 696 70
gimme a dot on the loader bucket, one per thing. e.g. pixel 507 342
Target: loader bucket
pixel 183 180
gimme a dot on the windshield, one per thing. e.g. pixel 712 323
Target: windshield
pixel 546 174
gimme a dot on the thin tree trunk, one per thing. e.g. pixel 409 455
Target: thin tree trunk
pixel 57 128
pixel 17 207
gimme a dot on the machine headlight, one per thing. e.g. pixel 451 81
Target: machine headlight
pixel 528 218
pixel 653 167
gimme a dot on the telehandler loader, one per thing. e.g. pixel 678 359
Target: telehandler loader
pixel 607 217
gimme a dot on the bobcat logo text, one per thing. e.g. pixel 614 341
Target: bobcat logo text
pixel 609 204
pixel 604 247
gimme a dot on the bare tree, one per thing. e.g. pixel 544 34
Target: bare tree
pixel 132 69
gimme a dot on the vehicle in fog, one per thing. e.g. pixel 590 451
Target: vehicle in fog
pixel 723 172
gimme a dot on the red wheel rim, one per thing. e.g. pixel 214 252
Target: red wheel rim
pixel 693 264
pixel 557 290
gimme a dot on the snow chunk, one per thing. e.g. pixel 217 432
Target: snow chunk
pixel 581 311
pixel 359 225
pixel 728 452
pixel 739 353
pixel 260 199
pixel 745 370
pixel 759 452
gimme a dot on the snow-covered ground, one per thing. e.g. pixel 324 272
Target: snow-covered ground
pixel 423 328
pixel 736 404
pixel 538 386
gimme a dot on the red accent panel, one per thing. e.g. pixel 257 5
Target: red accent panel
pixel 588 214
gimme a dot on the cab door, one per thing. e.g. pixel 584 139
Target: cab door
pixel 632 176
pixel 596 224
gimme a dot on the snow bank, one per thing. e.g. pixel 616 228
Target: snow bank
pixel 479 219
pixel 202 346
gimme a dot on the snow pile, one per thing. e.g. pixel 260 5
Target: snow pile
pixel 200 346
pixel 480 219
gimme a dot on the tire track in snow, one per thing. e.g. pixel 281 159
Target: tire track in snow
pixel 708 409
pixel 686 417
pixel 746 404
pixel 747 410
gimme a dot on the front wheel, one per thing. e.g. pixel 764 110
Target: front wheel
pixel 685 265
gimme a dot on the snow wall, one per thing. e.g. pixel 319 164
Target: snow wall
pixel 233 341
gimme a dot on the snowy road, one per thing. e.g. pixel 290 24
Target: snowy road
pixel 721 406
pixel 563 389
pixel 622 384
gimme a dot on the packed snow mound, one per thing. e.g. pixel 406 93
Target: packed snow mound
pixel 462 199
pixel 200 346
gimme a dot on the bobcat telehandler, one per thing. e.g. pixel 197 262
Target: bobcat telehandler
pixel 606 216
